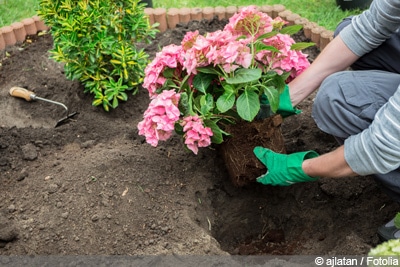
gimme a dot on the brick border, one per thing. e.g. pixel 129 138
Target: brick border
pixel 168 18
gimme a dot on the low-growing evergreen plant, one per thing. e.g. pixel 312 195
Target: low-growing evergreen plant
pixel 97 42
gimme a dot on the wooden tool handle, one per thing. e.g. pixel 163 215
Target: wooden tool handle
pixel 22 93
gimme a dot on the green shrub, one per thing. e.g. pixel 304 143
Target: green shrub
pixel 95 39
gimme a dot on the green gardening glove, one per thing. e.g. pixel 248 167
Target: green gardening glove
pixel 283 170
pixel 285 108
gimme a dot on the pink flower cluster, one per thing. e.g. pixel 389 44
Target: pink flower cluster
pixel 250 23
pixel 160 117
pixel 216 48
pixel 196 135
pixel 169 57
pixel 287 60
pixel 159 122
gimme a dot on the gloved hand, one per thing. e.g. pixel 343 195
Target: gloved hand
pixel 283 170
pixel 285 108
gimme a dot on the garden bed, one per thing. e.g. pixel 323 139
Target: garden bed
pixel 94 186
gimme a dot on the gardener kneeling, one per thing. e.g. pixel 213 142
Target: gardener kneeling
pixel 361 108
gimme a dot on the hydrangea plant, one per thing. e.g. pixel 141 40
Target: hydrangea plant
pixel 219 78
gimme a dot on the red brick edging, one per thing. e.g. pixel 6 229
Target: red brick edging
pixel 17 32
pixel 167 19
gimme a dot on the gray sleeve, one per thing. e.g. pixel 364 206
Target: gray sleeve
pixel 377 149
pixel 371 28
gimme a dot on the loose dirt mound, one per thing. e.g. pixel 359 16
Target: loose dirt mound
pixel 93 186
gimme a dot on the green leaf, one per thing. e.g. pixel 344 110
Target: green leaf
pixel 397 220
pixel 267 35
pixel 209 70
pixel 226 101
pixel 244 76
pixel 178 129
pixel 217 132
pixel 202 81
pixel 278 82
pixel 115 102
pixel 106 105
pixel 291 29
pixel 207 103
pixel 115 62
pixel 284 77
pixel 97 102
pixel 248 104
pixel 168 73
pixel 261 46
pixel 241 37
pixel 122 96
pixel 185 105
pixel 273 97
pixel 301 45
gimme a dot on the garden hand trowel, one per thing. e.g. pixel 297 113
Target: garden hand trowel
pixel 29 96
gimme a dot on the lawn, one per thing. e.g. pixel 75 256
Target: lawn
pixel 324 12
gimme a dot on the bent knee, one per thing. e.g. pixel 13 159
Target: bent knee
pixel 328 92
pixel 330 109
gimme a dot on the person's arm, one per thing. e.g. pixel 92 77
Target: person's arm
pixel 366 32
pixel 327 62
pixel 306 166
pixel 335 57
pixel 332 164
pixel 377 148
pixel 374 150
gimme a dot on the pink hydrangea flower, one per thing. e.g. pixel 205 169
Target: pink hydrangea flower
pixel 160 117
pixel 196 134
pixel 189 39
pixel 227 51
pixel 220 38
pixel 277 23
pixel 287 60
pixel 169 57
pixel 249 21
pixel 234 55
pixel 195 56
pixel 218 41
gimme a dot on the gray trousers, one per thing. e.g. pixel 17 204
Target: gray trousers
pixel 347 101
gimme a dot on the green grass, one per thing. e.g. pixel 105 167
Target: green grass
pixel 323 12
pixel 16 10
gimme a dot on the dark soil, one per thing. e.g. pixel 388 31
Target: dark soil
pixel 93 186
pixel 237 151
